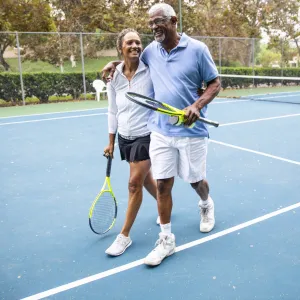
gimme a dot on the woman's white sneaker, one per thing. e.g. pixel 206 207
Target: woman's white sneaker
pixel 119 246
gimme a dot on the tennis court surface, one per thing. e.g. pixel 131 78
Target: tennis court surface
pixel 52 168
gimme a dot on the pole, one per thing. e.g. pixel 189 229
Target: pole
pixel 20 67
pixel 82 64
pixel 180 16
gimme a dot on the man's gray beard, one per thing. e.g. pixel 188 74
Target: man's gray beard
pixel 160 39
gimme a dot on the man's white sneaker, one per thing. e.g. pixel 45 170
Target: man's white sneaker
pixel 164 247
pixel 119 246
pixel 158 220
pixel 207 214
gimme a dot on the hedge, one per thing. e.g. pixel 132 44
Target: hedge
pixel 45 85
pixel 234 82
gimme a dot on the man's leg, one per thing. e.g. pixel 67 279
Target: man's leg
pixel 192 168
pixel 201 188
pixel 206 205
pixel 164 164
pixel 150 184
pixel 165 246
pixel 151 187
pixel 164 199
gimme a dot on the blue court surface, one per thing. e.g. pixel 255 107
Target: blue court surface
pixel 52 168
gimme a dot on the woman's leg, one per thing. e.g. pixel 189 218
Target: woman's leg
pixel 150 185
pixel 138 173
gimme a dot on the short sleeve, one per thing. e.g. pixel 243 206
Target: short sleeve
pixel 208 68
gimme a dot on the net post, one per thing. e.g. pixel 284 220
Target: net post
pixel 82 65
pixel 220 56
pixel 20 68
pixel 281 61
pixel 253 59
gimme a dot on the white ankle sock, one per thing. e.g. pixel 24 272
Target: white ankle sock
pixel 166 228
pixel 205 203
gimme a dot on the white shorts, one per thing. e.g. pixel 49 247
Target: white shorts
pixel 183 156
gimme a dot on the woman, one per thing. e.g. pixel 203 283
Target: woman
pixel 130 120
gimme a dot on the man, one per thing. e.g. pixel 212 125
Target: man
pixel 178 66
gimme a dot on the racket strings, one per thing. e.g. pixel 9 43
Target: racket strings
pixel 103 213
pixel 154 104
pixel 158 105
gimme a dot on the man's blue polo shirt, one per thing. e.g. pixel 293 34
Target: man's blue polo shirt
pixel 176 76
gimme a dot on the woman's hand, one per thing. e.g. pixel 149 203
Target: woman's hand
pixel 109 150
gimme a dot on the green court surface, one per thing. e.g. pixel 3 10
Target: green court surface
pixel 50 108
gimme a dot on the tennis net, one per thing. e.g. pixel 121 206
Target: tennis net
pixel 261 88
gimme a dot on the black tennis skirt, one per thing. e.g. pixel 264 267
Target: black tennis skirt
pixel 134 150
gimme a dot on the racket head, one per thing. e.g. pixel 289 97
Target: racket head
pixel 163 108
pixel 153 104
pixel 103 212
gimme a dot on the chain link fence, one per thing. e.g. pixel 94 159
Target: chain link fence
pixel 42 67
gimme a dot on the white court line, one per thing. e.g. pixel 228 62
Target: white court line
pixel 139 262
pixel 52 113
pixel 52 119
pixel 259 77
pixel 226 101
pixel 258 120
pixel 257 152
pixel 272 97
pixel 98 114
pixel 271 94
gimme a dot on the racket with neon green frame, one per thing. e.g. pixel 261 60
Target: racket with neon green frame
pixel 104 209
pixel 178 115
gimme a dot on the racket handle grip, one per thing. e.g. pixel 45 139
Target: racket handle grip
pixel 108 167
pixel 209 122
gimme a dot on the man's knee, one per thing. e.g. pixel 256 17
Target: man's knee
pixel 201 186
pixel 195 185
pixel 164 186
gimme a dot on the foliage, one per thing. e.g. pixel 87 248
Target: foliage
pixel 226 18
pixel 267 57
pixel 46 86
pixel 21 16
pixel 283 21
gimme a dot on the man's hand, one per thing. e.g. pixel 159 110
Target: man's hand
pixel 206 95
pixel 109 151
pixel 192 114
pixel 109 70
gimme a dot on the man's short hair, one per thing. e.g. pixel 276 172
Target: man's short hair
pixel 167 9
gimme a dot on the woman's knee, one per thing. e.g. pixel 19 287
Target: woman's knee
pixel 135 185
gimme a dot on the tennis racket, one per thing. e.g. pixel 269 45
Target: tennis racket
pixel 103 212
pixel 164 108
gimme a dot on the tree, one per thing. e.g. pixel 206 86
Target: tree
pixel 268 57
pixel 284 21
pixel 21 16
pixel 56 48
